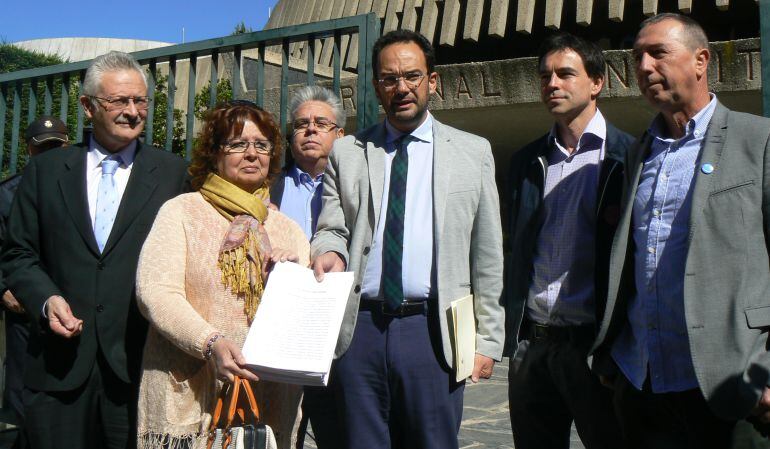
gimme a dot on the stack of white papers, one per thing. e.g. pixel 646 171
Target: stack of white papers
pixel 295 330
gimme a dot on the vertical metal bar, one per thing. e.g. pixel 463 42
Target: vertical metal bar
pixel 171 89
pixel 284 90
pixel 81 118
pixel 764 33
pixel 236 79
pixel 310 60
pixel 336 63
pixel 191 74
pixel 214 79
pixel 3 106
pixel 261 75
pixel 367 107
pixel 148 127
pixel 32 103
pixel 64 104
pixel 15 128
pixel 48 96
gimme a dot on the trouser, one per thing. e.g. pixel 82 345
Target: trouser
pixel 679 420
pixel 320 409
pixel 393 388
pixel 552 386
pixel 99 414
pixel 16 337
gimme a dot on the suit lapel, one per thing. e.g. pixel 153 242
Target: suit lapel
pixel 441 175
pixel 141 184
pixel 375 157
pixel 712 153
pixel 75 198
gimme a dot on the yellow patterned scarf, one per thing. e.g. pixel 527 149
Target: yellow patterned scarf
pixel 240 257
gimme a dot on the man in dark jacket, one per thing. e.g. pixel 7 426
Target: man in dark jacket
pixel 76 227
pixel 42 135
pixel 564 196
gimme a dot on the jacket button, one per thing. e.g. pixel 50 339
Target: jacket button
pixel 366 251
pixel 357 289
pixel 99 308
pixel 100 266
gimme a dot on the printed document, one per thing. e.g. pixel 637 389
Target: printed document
pixel 295 329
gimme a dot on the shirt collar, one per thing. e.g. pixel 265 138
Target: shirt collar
pixel 593 137
pixel 424 132
pixel 97 153
pixel 296 174
pixel 696 126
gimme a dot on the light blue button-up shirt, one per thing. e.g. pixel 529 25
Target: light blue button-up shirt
pixel 562 289
pixel 656 335
pixel 417 259
pixel 301 200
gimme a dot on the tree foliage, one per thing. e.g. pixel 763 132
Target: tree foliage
pixel 14 58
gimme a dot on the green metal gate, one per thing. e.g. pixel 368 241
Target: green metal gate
pixel 62 78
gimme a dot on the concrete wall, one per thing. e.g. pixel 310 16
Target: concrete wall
pixel 500 100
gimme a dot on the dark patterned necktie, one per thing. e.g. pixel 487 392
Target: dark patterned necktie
pixel 393 235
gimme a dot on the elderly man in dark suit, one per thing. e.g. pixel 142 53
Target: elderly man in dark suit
pixel 688 310
pixel 75 280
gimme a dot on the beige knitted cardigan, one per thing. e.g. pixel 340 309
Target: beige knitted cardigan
pixel 180 292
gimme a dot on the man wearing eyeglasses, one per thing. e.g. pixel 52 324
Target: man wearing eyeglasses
pixel 72 245
pixel 410 205
pixel 318 119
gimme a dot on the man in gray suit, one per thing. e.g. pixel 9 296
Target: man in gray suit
pixel 688 310
pixel 410 205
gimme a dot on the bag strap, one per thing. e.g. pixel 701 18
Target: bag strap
pixel 231 395
pixel 252 400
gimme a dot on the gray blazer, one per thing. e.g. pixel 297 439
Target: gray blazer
pixel 467 231
pixel 727 277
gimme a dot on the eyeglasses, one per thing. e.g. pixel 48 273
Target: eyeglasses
pixel 119 103
pixel 322 125
pixel 412 80
pixel 242 146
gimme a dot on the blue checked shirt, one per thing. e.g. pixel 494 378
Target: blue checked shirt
pixel 655 337
pixel 301 199
pixel 562 289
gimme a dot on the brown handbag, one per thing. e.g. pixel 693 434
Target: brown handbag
pixel 241 427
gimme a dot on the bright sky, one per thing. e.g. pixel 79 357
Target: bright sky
pixel 159 20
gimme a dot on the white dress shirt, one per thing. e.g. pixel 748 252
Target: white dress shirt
pixel 417 258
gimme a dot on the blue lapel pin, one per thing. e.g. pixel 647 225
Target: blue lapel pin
pixel 707 168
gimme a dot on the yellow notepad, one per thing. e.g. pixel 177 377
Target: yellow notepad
pixel 464 333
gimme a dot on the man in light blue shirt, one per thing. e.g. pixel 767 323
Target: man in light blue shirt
pixel 684 338
pixel 318 119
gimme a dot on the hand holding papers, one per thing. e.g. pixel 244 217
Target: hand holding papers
pixel 294 332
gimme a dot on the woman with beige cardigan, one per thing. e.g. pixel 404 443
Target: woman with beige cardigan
pixel 200 278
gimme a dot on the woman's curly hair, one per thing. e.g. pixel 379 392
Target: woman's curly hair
pixel 225 122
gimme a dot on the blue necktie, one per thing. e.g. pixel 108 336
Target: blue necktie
pixel 393 235
pixel 107 201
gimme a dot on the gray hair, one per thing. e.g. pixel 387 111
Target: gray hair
pixel 113 61
pixel 693 36
pixel 322 94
